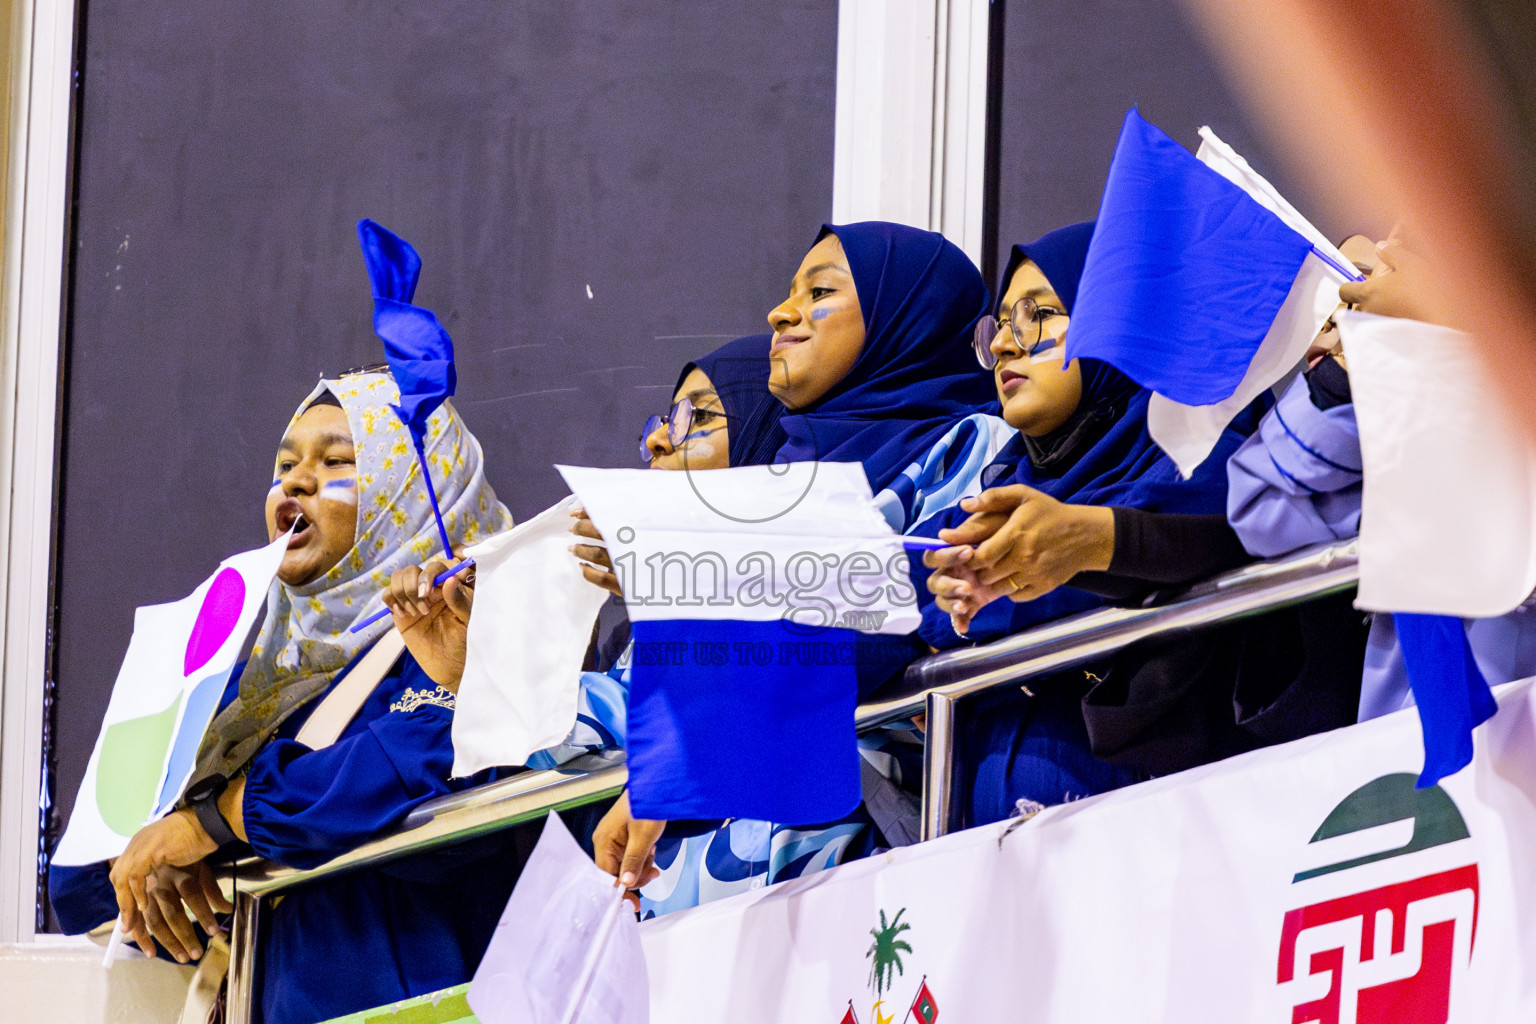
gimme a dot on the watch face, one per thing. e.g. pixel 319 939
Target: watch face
pixel 203 789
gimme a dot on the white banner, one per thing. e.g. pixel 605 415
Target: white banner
pixel 1306 882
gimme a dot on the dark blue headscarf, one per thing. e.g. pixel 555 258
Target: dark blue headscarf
pixel 1103 454
pixel 739 372
pixel 916 375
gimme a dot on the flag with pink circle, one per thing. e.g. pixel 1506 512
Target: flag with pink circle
pixel 167 690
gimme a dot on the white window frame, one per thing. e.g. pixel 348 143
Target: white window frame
pixel 909 147
pixel 31 323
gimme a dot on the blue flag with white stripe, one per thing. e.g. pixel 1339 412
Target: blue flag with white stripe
pixel 1185 273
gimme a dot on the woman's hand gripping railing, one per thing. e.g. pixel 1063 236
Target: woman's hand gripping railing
pixel 933 684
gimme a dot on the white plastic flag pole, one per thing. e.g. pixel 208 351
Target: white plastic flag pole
pixel 113 943
pixel 589 966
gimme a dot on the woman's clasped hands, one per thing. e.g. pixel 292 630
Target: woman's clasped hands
pixel 161 877
pixel 1018 543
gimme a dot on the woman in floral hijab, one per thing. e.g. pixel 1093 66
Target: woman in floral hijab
pixel 348 491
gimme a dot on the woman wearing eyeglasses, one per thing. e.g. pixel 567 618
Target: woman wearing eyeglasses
pixel 1069 498
pixel 1082 494
pixel 1082 509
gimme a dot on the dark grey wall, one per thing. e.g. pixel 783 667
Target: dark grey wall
pixel 1071 70
pixel 600 190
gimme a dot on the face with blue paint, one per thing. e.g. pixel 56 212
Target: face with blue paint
pixel 706 445
pixel 1038 393
pixel 315 486
pixel 818 332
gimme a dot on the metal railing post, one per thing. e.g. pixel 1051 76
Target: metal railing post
pixel 244 935
pixel 938 766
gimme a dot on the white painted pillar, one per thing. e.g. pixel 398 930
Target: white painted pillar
pixel 911 115
pixel 36 197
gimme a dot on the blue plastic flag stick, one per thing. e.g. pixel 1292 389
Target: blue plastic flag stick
pixel 437 514
pixel 1348 275
pixel 439 581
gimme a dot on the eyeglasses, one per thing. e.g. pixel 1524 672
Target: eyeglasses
pixel 679 421
pixel 1026 320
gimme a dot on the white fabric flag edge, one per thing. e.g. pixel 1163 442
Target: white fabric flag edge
pixel 523 971
pixel 498 721
pixel 1188 433
pixel 1466 563
pixel 626 517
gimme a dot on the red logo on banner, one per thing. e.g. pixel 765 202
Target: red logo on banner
pixel 1389 954
pixel 1423 997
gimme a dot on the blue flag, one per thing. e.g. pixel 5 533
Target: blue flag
pixel 1184 275
pixel 1449 688
pixel 418 349
pixel 733 719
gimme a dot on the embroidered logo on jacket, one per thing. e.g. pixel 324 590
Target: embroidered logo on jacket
pixel 412 699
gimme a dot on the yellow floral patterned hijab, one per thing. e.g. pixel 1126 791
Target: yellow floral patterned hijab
pixel 306 636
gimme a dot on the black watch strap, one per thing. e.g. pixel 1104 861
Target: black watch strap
pixel 207 811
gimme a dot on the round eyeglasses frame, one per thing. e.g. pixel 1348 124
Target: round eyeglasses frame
pixel 679 419
pixel 1025 311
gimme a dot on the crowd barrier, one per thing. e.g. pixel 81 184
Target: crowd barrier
pixel 934 686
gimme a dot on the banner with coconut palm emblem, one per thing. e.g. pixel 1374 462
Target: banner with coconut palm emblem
pixel 1307 882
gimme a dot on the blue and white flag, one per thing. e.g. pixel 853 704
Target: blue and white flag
pixel 1202 283
pixel 1448 513
pixel 749 591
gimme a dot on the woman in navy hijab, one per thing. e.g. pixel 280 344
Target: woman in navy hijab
pixel 871 351
pixel 1085 465
pixel 1084 497
pixel 1082 493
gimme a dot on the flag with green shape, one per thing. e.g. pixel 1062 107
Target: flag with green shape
pixel 167 690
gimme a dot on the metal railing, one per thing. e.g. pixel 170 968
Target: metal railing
pixel 931 686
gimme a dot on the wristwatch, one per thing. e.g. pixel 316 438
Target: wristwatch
pixel 203 801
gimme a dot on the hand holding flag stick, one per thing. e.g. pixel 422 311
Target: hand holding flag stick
pixel 437 581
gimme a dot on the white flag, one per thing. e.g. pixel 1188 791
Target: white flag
pixel 1189 432
pixel 1448 514
pixel 567 948
pixel 529 632
pixel 166 693
pixel 802 541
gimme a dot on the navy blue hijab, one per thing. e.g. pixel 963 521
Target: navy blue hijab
pixel 738 371
pixel 1103 454
pixel 916 375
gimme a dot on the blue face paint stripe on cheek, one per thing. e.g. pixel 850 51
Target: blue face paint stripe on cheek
pixel 340 490
pixel 820 314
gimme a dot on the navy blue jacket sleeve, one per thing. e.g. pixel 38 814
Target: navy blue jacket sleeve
pixel 303 807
